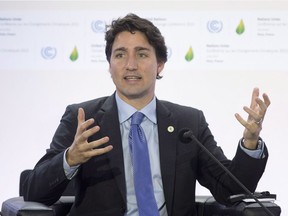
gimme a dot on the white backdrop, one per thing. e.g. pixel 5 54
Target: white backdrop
pixel 38 79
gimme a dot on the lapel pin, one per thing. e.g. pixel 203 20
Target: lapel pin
pixel 170 129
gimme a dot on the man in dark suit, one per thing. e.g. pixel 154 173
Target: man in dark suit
pixel 91 142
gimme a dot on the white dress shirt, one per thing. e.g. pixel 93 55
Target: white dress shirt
pixel 149 125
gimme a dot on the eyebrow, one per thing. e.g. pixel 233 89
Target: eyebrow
pixel 138 48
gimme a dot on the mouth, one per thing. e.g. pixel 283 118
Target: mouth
pixel 132 78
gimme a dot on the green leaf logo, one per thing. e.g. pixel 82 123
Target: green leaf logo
pixel 74 55
pixel 240 28
pixel 189 55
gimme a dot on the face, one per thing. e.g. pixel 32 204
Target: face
pixel 134 67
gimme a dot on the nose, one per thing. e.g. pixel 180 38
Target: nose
pixel 131 63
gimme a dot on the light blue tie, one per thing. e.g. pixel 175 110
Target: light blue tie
pixel 141 168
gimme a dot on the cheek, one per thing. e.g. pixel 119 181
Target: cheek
pixel 116 77
pixel 112 73
pixel 112 70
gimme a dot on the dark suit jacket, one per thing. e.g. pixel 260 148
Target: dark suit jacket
pixel 100 183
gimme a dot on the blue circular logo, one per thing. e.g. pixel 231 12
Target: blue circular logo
pixel 98 26
pixel 214 26
pixel 48 52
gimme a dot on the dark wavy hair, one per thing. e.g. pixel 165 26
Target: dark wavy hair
pixel 132 23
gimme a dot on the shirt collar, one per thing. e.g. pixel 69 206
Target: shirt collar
pixel 125 111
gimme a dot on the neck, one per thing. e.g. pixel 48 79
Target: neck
pixel 137 102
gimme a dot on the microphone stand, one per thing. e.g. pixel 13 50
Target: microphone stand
pixel 189 134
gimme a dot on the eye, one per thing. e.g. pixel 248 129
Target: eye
pixel 143 55
pixel 119 55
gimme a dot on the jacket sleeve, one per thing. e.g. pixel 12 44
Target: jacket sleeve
pixel 47 181
pixel 247 169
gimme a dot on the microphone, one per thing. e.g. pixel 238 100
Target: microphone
pixel 186 135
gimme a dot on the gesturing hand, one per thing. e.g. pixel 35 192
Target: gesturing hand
pixel 81 150
pixel 256 113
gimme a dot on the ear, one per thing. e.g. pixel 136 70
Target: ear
pixel 160 67
pixel 109 70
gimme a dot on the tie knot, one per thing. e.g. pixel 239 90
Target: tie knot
pixel 137 118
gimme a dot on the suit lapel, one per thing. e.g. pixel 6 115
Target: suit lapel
pixel 168 138
pixel 108 120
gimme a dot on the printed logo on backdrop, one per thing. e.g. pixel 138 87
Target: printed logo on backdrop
pixel 240 28
pixel 48 52
pixel 98 26
pixel 214 26
pixel 74 54
pixel 189 56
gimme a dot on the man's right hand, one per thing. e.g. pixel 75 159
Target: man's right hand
pixel 81 150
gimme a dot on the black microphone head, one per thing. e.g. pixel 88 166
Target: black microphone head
pixel 185 135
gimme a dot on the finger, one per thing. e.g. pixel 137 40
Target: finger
pixel 99 142
pixel 255 94
pixel 92 149
pixel 87 133
pixel 253 115
pixel 98 151
pixel 82 124
pixel 252 127
pixel 240 119
pixel 266 100
pixel 102 150
pixel 262 107
pixel 81 116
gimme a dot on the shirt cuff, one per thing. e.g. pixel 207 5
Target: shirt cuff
pixel 257 153
pixel 70 172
